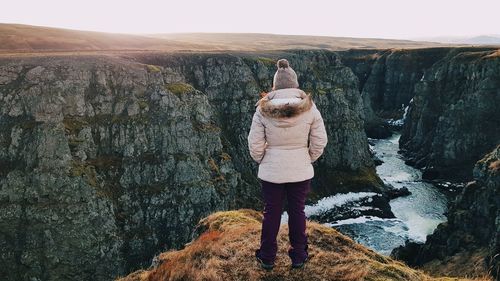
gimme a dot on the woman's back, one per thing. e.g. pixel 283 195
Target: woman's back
pixel 287 116
pixel 284 122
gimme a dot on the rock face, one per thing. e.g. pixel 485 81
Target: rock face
pixel 102 163
pixel 232 84
pixel 473 226
pixel 454 117
pixel 387 81
pixel 107 160
pixel 224 250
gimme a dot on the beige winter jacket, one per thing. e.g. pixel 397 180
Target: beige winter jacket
pixel 278 139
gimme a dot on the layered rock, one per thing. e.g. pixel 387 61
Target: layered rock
pixel 224 250
pixel 233 83
pixel 454 117
pixel 472 231
pixel 103 162
pixel 387 81
pixel 106 160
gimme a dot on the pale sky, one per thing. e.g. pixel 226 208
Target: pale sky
pixel 352 18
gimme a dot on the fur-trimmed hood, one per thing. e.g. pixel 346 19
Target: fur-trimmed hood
pixel 284 103
pixel 283 107
pixel 285 147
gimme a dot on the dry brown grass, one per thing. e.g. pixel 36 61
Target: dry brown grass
pixel 225 251
pixel 495 166
pixel 466 263
pixel 493 54
pixel 25 39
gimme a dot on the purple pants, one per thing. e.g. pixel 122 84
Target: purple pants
pixel 273 195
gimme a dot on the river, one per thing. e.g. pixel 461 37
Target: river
pixel 416 215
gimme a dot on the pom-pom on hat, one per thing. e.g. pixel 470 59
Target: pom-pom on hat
pixel 285 76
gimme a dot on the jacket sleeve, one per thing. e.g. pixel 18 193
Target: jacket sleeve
pixel 317 136
pixel 257 138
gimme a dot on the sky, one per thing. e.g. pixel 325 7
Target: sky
pixel 402 19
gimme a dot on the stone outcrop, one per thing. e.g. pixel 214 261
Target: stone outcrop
pixel 472 229
pixel 454 119
pixel 102 163
pixel 233 83
pixel 107 160
pixel 387 81
pixel 224 250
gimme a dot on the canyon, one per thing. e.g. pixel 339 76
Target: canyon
pixel 108 159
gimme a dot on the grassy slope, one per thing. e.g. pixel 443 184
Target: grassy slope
pixel 225 251
pixel 33 39
pixel 27 38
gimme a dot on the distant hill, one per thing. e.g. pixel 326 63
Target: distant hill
pixel 475 40
pixel 16 38
pixel 27 38
pixel 483 40
pixel 260 41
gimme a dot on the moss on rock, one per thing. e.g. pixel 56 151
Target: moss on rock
pixel 153 68
pixel 179 88
pixel 364 179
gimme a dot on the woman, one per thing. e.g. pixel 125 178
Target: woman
pixel 285 119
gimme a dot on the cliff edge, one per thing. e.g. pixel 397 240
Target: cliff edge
pixel 224 250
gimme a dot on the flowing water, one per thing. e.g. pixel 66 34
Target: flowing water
pixel 417 215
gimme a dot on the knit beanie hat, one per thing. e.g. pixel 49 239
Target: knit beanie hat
pixel 285 76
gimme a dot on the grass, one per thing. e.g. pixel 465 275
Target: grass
pixel 73 125
pixel 225 251
pixel 267 61
pixel 364 179
pixel 216 174
pixel 495 166
pixel 225 157
pixel 143 104
pixel 209 126
pixel 465 263
pixel 179 88
pixel 79 169
pixel 20 39
pixel 153 68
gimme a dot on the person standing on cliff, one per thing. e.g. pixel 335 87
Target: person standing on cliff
pixel 286 136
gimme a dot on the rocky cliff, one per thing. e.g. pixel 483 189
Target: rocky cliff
pixel 469 242
pixel 387 81
pixel 232 83
pixel 454 119
pixel 106 160
pixel 451 93
pixel 102 163
pixel 224 250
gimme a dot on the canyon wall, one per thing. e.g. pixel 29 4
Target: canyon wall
pixel 102 165
pixel 107 160
pixel 454 119
pixel 387 81
pixel 472 232
pixel 233 82
pixel 452 96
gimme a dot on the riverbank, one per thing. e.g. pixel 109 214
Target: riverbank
pixel 410 217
